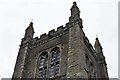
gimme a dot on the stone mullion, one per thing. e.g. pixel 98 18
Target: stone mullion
pixel 48 66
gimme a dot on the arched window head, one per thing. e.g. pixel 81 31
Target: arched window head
pixel 54 63
pixel 43 62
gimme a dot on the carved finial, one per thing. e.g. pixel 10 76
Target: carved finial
pixel 75 12
pixel 97 44
pixel 74 3
pixel 31 23
pixel 29 32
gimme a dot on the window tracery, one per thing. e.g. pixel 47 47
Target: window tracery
pixel 54 64
pixel 43 62
pixel 53 70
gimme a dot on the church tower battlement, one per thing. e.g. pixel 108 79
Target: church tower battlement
pixel 64 53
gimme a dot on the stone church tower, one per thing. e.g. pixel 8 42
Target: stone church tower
pixel 64 53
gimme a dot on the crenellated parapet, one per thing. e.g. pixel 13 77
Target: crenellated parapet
pixel 52 34
pixel 60 28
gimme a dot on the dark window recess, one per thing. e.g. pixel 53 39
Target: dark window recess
pixel 43 62
pixel 54 67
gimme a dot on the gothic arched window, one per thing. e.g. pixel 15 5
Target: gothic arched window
pixel 54 63
pixel 43 62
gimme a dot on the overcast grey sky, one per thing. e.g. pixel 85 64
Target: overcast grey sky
pixel 99 17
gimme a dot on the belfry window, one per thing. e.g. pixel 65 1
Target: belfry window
pixel 54 63
pixel 43 62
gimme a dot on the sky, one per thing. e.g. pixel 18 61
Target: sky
pixel 100 17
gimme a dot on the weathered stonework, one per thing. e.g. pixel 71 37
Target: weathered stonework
pixel 78 59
